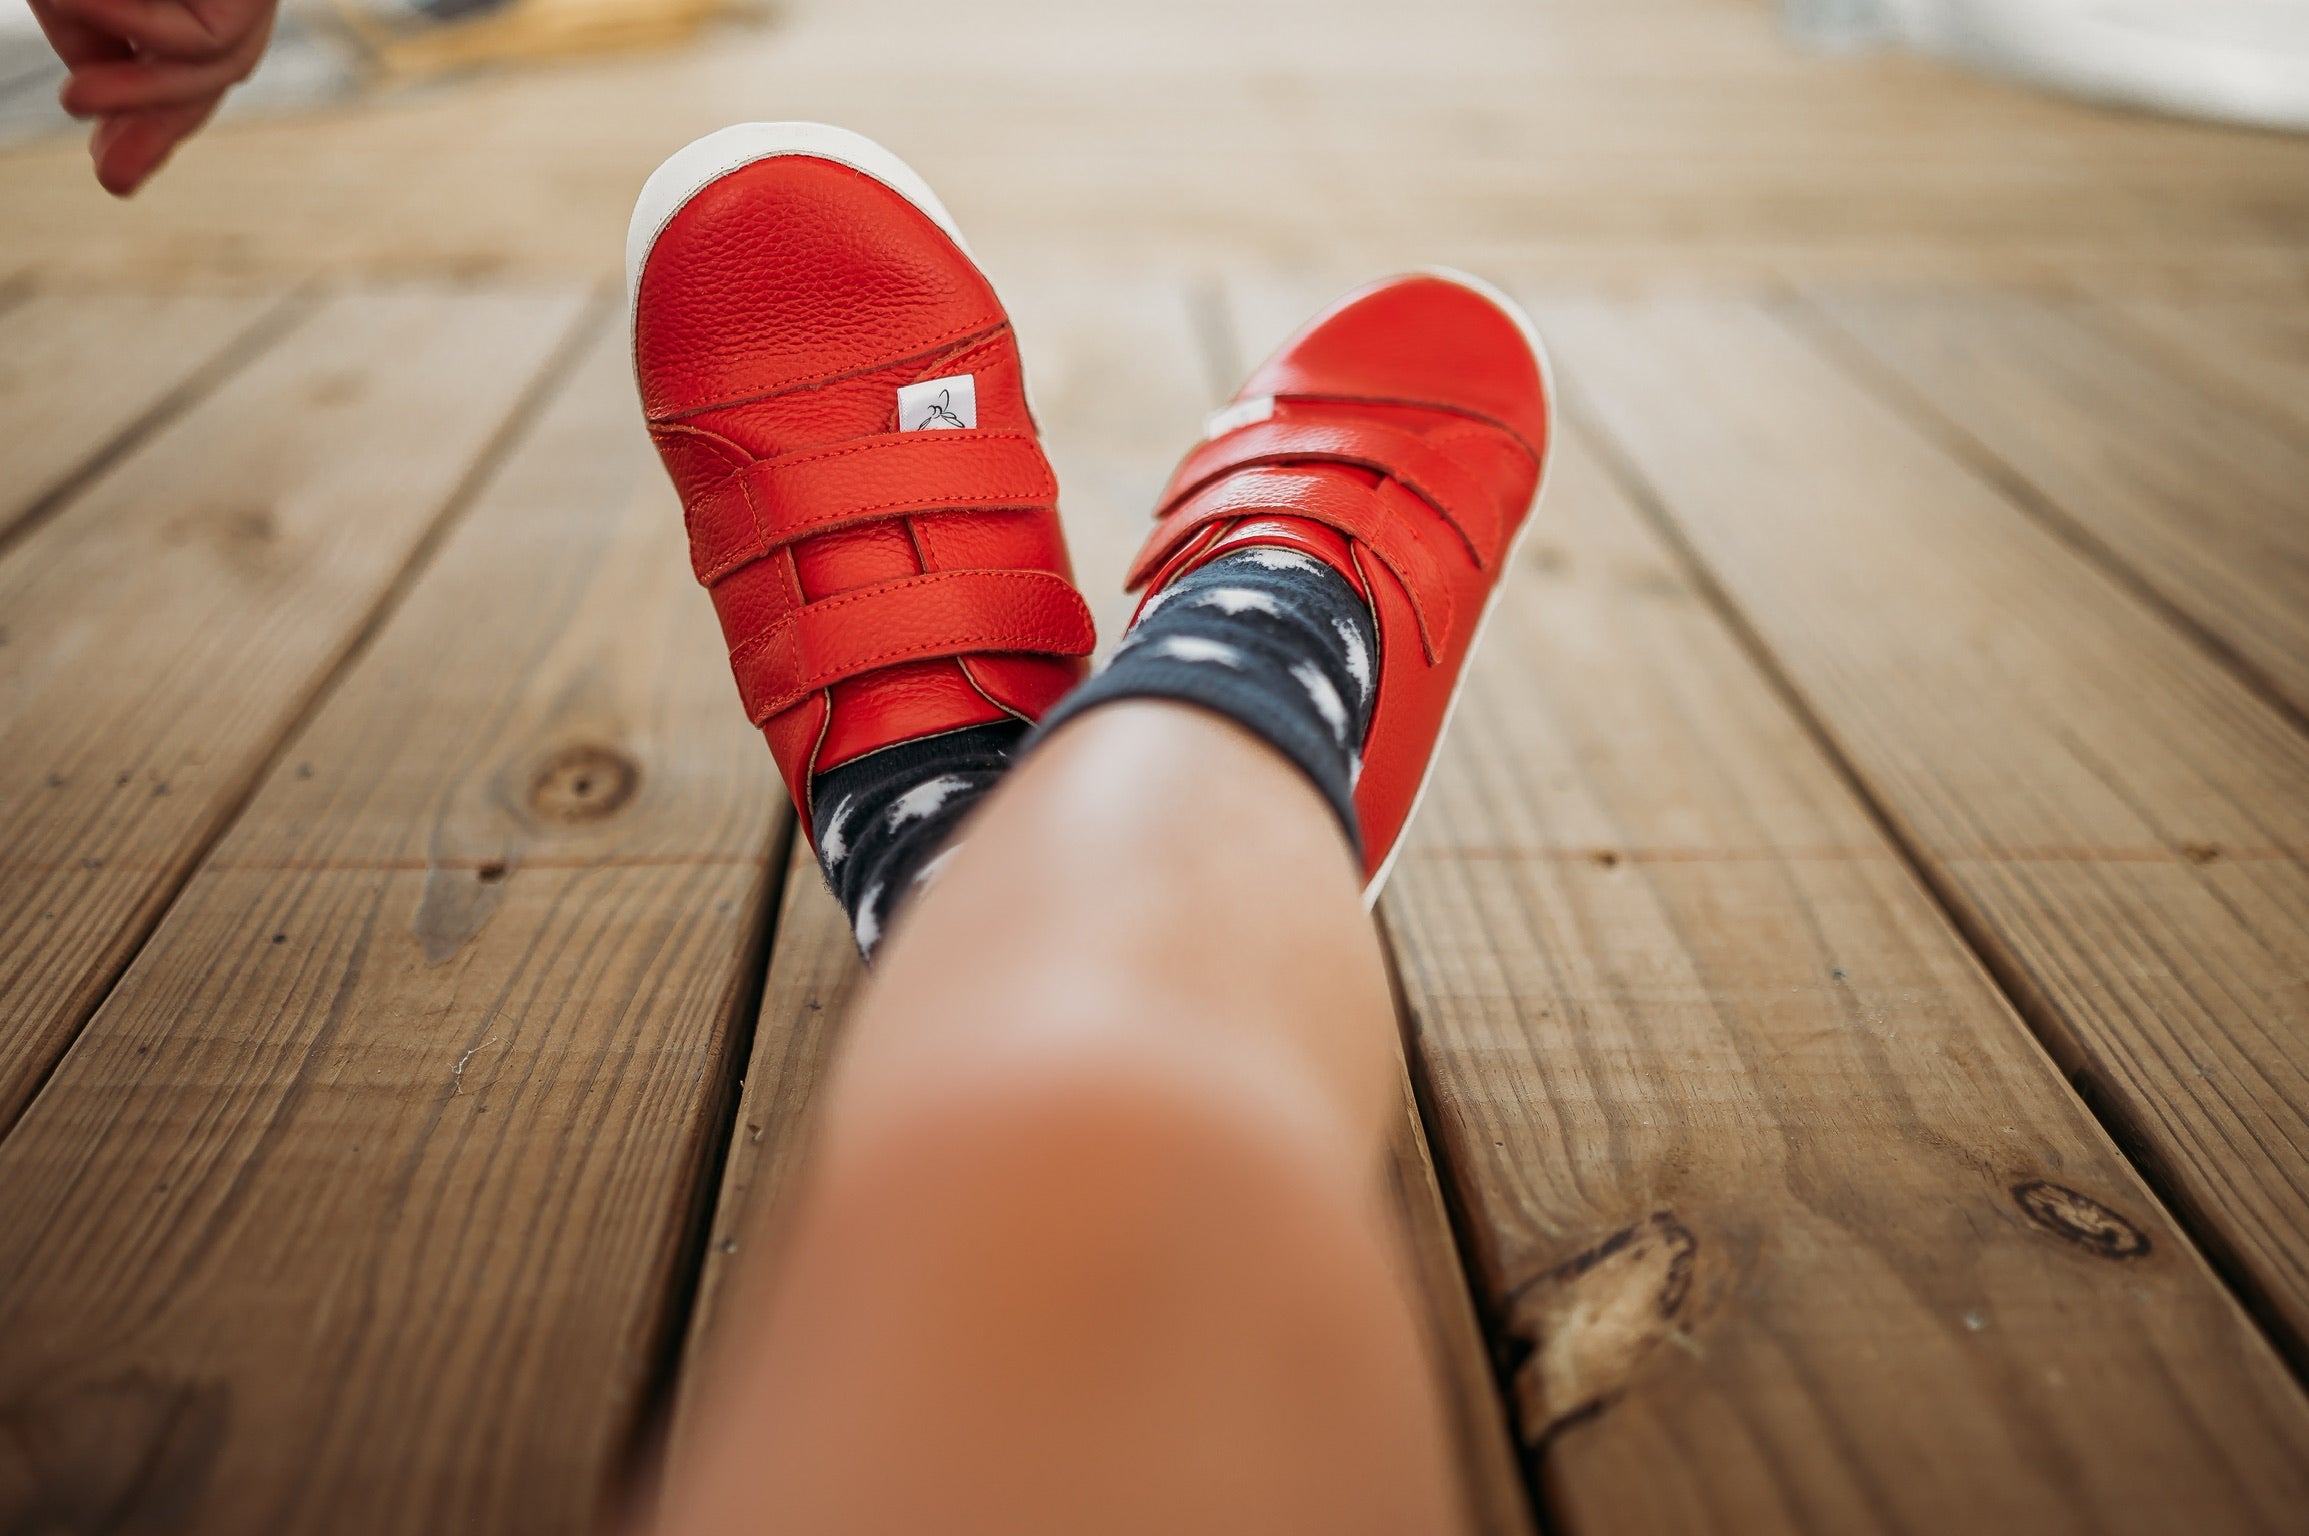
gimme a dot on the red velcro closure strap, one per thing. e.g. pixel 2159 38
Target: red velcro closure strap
pixel 916 618
pixel 893 474
pixel 1363 514
pixel 1401 456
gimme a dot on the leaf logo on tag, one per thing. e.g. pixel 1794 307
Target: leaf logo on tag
pixel 939 403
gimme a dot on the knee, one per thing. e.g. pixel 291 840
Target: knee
pixel 1100 1170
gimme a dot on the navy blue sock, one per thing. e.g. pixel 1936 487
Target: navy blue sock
pixel 882 821
pixel 1274 640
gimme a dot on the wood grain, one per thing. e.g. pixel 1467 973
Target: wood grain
pixel 1644 141
pixel 167 627
pixel 2116 821
pixel 2254 354
pixel 2205 506
pixel 1496 1499
pixel 1782 1215
pixel 358 1206
pixel 79 372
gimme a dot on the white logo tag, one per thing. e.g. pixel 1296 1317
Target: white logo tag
pixel 936 403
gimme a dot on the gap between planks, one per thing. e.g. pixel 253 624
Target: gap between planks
pixel 1758 1170
pixel 118 383
pixel 2223 555
pixel 448 1127
pixel 2088 965
pixel 1123 374
pixel 46 1025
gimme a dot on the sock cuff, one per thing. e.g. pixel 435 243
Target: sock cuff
pixel 1269 638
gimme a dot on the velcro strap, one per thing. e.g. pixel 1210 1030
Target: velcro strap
pixel 1401 456
pixel 1359 512
pixel 915 618
pixel 893 474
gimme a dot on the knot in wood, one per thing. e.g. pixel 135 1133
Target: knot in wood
pixel 1591 1322
pixel 2079 1219
pixel 583 783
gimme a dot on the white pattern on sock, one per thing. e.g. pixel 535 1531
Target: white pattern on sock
pixel 1354 770
pixel 869 928
pixel 925 798
pixel 834 847
pixel 1234 600
pixel 1324 697
pixel 1196 648
pixel 1358 659
pixel 936 866
pixel 1268 557
pixel 1154 600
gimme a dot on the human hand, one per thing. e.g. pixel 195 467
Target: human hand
pixel 150 72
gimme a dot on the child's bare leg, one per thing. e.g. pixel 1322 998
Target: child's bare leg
pixel 1092 1238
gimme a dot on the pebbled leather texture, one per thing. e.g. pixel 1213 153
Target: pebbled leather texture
pixel 1405 447
pixel 873 586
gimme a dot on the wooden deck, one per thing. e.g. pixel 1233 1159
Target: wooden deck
pixel 1855 960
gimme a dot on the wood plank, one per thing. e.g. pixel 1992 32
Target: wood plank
pixel 814 974
pixel 2204 506
pixel 167 627
pixel 1765 1183
pixel 1497 1500
pixel 2255 352
pixel 359 1204
pixel 81 373
pixel 2117 823
pixel 1664 140
pixel 1120 388
pixel 1772 1187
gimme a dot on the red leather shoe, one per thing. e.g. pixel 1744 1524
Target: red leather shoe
pixel 836 392
pixel 1402 439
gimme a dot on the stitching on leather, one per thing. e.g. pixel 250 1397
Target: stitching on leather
pixel 737 457
pixel 1176 528
pixel 882 589
pixel 1042 493
pixel 806 530
pixel 887 440
pixel 1012 637
pixel 933 345
pixel 1465 413
pixel 889 588
pixel 1347 454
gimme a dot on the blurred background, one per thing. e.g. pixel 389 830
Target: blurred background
pixel 2136 141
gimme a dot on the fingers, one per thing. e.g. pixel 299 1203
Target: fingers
pixel 127 149
pixel 176 28
pixel 77 42
pixel 152 72
pixel 143 84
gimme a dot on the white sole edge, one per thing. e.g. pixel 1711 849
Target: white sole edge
pixel 702 162
pixel 1523 322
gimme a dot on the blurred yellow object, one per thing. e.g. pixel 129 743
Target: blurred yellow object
pixel 431 41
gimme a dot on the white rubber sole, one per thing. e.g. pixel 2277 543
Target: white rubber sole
pixel 1515 312
pixel 697 165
